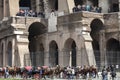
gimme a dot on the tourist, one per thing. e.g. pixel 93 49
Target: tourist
pixel 104 74
pixel 75 9
pixel 6 72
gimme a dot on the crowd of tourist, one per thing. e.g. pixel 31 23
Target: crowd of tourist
pixel 87 8
pixel 29 13
pixel 80 72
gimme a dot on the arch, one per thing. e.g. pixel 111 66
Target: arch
pixel 91 2
pixel 96 26
pixel 25 4
pixel 9 54
pixel 96 29
pixel 53 53
pixel 53 4
pixel 70 52
pixel 35 30
pixel 114 5
pixel 113 50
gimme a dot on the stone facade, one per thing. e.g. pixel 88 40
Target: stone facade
pixel 64 38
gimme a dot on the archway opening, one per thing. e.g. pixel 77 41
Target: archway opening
pixel 9 54
pixel 70 52
pixel 84 2
pixel 35 30
pixel 113 52
pixel 25 4
pixel 53 4
pixel 53 54
pixel 114 5
pixel 96 29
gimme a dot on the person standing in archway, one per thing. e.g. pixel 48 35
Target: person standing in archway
pixel 104 74
pixel 113 72
pixel 6 72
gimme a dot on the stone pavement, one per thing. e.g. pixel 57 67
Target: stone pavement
pixel 97 78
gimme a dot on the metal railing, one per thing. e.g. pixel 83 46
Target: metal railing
pixel 37 58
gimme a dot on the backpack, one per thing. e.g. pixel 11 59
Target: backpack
pixel 104 73
pixel 113 74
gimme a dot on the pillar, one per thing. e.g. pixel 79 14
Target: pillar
pixel 105 5
pixel 61 60
pixel 4 55
pixel 33 5
pixel 90 53
pixel 10 7
pixel 46 8
pixel 79 58
pixel 6 8
pixel 102 43
pixel 39 6
pixel 1 10
pixel 119 5
pixel 88 49
pixel 13 52
pixel 70 59
pixel 13 7
pixel 71 4
pixel 46 58
pixel 67 5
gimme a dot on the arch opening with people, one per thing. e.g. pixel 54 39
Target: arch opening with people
pixel 35 30
pixel 53 54
pixel 70 52
pixel 9 54
pixel 113 52
pixel 96 28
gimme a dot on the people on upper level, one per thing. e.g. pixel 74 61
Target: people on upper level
pixel 75 9
pixel 29 13
pixel 87 8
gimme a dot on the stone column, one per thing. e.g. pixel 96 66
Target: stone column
pixel 1 10
pixel 13 7
pixel 39 5
pixel 46 58
pixel 105 5
pixel 119 26
pixel 102 43
pixel 79 58
pixel 70 4
pixel 33 5
pixel 13 52
pixel 4 8
pixel 70 59
pixel 61 58
pixel 4 55
pixel 46 8
pixel 119 5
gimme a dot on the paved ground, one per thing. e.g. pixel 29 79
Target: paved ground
pixel 98 78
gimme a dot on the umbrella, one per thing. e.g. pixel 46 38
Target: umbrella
pixel 45 66
pixel 28 67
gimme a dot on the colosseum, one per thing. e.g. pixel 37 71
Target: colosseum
pixel 60 36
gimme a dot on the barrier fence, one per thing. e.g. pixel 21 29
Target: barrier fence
pixel 109 58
